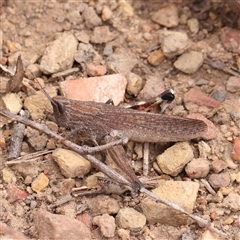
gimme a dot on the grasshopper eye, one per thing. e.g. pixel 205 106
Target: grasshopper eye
pixel 57 107
pixel 60 107
pixel 168 95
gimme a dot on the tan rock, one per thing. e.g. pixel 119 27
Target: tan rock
pixel 59 56
pixel 91 181
pixel 11 102
pixel 189 62
pixel 106 13
pixel 8 176
pixel 135 84
pixel 125 9
pixel 71 164
pixel 238 63
pixel 37 104
pixel 156 58
pixel 131 219
pixel 182 193
pixel 173 160
pixel 238 177
pixel 40 183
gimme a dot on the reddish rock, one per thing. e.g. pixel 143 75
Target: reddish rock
pixel 15 194
pixel 11 233
pixel 233 84
pixel 56 226
pixel 218 165
pixel 198 102
pixel 94 71
pixel 98 89
pixel 86 219
pixel 219 180
pixel 235 157
pixel 236 150
pixel 197 168
pixel 236 146
pixel 231 39
pixel 211 131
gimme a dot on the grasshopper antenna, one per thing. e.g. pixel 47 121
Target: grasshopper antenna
pixel 43 90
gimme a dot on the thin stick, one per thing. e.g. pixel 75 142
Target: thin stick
pixel 145 159
pixel 17 138
pixel 28 157
pixel 208 186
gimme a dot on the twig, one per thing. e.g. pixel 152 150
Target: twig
pixel 145 159
pixel 208 186
pixel 28 157
pixel 107 170
pixel 65 72
pixel 61 201
pixel 17 138
pixel 16 80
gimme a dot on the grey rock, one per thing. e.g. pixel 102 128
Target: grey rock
pixel 87 54
pixel 219 95
pixel 121 62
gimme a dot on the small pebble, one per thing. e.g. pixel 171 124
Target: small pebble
pixel 167 16
pixel 219 180
pixel 156 58
pixel 233 84
pixel 189 62
pixel 193 25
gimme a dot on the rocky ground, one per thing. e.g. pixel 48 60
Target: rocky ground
pixel 124 51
